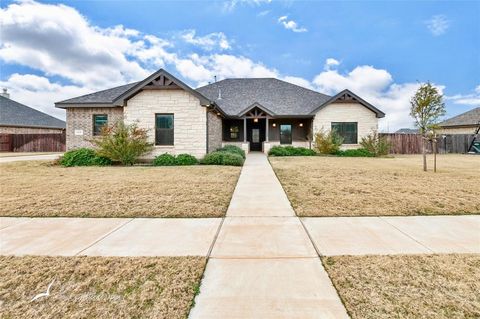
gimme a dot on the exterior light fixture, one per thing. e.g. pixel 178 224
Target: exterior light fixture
pixel 301 124
pixel 255 120
pixel 274 124
pixel 218 113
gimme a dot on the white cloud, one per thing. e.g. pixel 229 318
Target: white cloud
pixel 231 5
pixel 291 25
pixel 39 93
pixel 471 99
pixel 331 63
pixel 438 24
pixel 215 40
pixel 263 13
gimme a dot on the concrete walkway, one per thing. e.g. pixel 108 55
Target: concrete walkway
pixel 263 263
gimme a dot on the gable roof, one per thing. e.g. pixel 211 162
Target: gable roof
pixel 468 118
pixel 346 96
pixel 13 113
pixel 278 97
pixel 101 97
pixel 117 96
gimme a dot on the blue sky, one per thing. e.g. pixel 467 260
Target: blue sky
pixel 53 50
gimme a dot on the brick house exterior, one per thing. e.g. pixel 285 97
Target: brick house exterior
pixel 254 114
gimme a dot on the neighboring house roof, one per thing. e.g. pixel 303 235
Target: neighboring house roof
pixel 231 97
pixel 16 114
pixel 407 131
pixel 469 118
pixel 237 96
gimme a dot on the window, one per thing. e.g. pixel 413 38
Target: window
pixel 234 132
pixel 285 134
pixel 163 129
pixel 347 130
pixel 99 121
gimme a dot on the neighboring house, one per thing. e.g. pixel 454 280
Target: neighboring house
pixel 465 123
pixel 16 118
pixel 253 113
pixel 407 131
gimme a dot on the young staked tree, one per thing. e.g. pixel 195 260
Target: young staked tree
pixel 426 107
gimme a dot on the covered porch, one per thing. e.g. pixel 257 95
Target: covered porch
pixel 257 130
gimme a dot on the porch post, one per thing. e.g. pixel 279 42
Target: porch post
pixel 266 129
pixel 244 130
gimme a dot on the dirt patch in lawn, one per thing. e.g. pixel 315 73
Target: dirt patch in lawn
pixel 99 287
pixel 333 186
pixel 37 189
pixel 408 286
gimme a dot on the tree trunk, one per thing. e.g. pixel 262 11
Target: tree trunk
pixel 424 152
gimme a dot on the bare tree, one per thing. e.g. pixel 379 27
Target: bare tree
pixel 426 107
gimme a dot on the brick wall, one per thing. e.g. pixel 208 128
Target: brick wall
pixel 28 130
pixel 81 119
pixel 190 119
pixel 214 132
pixel 346 112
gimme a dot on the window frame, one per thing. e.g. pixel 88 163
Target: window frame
pixel 94 125
pixel 157 143
pixel 343 132
pixel 280 133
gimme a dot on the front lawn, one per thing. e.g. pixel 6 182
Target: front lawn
pixel 336 186
pixel 408 286
pixel 99 287
pixel 40 189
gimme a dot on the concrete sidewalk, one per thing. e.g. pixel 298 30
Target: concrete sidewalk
pixel 44 157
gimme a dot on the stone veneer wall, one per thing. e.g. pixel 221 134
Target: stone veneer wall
pixel 346 112
pixel 81 118
pixel 457 130
pixel 214 132
pixel 190 119
pixel 29 130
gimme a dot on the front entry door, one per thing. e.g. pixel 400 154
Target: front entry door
pixel 256 134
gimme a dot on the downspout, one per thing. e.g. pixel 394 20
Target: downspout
pixel 207 110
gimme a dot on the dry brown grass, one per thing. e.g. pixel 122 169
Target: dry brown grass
pixel 409 286
pixel 335 186
pixel 99 287
pixel 39 189
pixel 15 154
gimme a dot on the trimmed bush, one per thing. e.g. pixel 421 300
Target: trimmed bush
pixel 164 160
pixel 83 157
pixel 359 152
pixel 233 149
pixel 290 151
pixel 223 158
pixel 185 159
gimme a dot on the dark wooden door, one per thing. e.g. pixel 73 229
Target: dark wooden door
pixel 256 134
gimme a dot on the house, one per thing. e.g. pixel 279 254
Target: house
pixel 16 118
pixel 465 123
pixel 253 113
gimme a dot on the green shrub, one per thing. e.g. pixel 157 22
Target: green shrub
pixel 327 142
pixel 359 152
pixel 232 149
pixel 83 157
pixel 223 158
pixel 290 151
pixel 376 144
pixel 164 160
pixel 122 143
pixel 185 159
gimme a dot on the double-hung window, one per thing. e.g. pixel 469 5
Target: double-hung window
pixel 164 129
pixel 347 130
pixel 234 129
pixel 99 121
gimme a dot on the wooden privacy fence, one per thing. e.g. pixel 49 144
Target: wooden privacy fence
pixel 412 143
pixel 32 142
